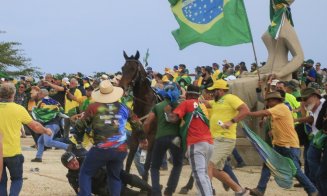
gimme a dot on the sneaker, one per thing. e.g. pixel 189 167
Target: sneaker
pixel 243 193
pixel 36 160
pixel 240 165
pixel 255 192
pixel 167 193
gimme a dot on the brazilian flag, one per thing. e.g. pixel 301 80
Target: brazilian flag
pixel 215 22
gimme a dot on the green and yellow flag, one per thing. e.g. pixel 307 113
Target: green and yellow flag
pixel 215 22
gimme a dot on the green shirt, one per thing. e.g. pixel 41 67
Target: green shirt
pixel 164 128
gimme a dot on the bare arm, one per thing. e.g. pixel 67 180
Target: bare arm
pixel 56 87
pixel 147 123
pixel 243 111
pixel 308 119
pixel 39 128
pixel 260 113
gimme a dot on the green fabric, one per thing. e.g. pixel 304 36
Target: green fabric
pixel 184 81
pixel 276 16
pixel 164 128
pixel 187 121
pixel 85 104
pixel 228 26
pixel 267 128
pixel 319 140
pixel 3 75
pixel 282 168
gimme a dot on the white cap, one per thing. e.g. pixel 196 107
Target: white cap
pixel 65 80
pixel 104 77
pixel 229 78
pixel 274 82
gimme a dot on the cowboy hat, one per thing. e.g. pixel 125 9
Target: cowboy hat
pixel 107 93
pixel 274 95
pixel 306 93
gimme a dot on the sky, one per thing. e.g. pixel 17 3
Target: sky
pixel 90 36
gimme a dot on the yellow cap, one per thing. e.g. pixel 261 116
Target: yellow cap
pixel 219 84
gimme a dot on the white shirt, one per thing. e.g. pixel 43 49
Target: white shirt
pixel 315 116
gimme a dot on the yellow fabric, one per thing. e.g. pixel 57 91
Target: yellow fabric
pixel 12 116
pixel 215 75
pixel 175 75
pixel 219 84
pixel 237 73
pixel 30 105
pixel 86 85
pixel 282 125
pixel 293 103
pixel 200 81
pixel 73 104
pixel 225 109
pixel 153 83
pixel 128 126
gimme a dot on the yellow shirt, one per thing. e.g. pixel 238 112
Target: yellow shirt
pixel 215 75
pixel 70 104
pixel 224 110
pixel 12 116
pixel 282 125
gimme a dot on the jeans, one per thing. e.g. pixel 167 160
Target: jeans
pixel 45 140
pixel 237 156
pixel 160 148
pixel 15 166
pixel 313 158
pixel 264 178
pixel 294 153
pixel 306 163
pixel 96 158
pixel 139 166
pixel 321 179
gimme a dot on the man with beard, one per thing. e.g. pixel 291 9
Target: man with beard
pixel 284 138
pixel 227 110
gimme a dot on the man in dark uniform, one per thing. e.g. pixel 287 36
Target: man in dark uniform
pixel 73 161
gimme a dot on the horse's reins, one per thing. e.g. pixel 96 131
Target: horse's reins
pixel 135 77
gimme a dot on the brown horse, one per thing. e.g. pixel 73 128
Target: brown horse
pixel 144 98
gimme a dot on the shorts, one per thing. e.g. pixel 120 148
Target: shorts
pixel 223 147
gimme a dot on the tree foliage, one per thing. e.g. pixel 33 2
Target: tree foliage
pixel 13 62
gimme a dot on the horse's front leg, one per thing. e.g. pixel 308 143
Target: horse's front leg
pixel 133 146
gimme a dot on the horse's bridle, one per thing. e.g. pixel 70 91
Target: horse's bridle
pixel 136 75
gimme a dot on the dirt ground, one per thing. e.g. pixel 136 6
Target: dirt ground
pixel 51 178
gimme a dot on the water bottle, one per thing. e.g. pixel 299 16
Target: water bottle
pixel 143 156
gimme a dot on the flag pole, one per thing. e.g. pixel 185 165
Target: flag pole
pixel 252 42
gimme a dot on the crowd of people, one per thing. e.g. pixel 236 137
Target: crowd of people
pixel 197 119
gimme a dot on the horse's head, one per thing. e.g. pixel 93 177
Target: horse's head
pixel 132 71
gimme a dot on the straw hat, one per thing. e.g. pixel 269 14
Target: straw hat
pixel 107 93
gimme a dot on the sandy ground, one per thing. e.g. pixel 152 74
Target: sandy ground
pixel 51 179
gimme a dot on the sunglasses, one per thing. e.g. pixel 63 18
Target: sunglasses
pixel 22 87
